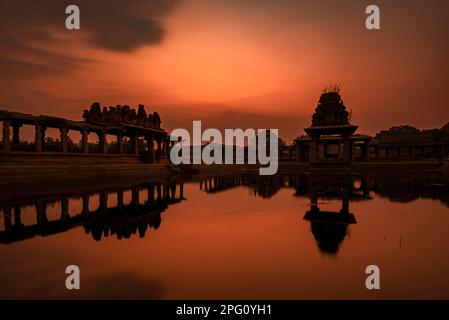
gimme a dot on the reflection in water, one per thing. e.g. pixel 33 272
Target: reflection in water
pixel 120 220
pixel 231 233
pixel 124 220
pixel 218 184
pixel 330 228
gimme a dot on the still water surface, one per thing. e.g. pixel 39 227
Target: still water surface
pixel 233 237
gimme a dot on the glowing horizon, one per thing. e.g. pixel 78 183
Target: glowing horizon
pixel 232 64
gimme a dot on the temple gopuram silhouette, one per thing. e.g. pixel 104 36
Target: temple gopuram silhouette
pixel 332 131
pixel 331 139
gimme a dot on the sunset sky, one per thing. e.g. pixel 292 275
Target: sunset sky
pixel 229 63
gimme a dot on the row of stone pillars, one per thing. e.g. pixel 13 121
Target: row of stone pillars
pixel 39 140
pixel 348 147
pixel 289 155
pixel 396 151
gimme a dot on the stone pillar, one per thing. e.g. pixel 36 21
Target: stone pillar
pixel 159 191
pixel 172 192
pixel 150 147
pixel 120 200
pixel 325 145
pixel 64 144
pixel 339 151
pixel 366 151
pixel 365 187
pixel 16 135
pixel 347 149
pixel 345 201
pixel 159 151
pixel 167 148
pixel 135 197
pixel 85 209
pixel 7 218
pixel 313 149
pixel 41 211
pixel 314 201
pixel 150 191
pixel 167 191
pixel 39 134
pixel 298 152
pixel 84 141
pixel 134 143
pixel 17 215
pixel 120 144
pixel 65 209
pixel 103 202
pixel 103 143
pixel 6 138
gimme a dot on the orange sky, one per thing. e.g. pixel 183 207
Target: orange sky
pixel 229 63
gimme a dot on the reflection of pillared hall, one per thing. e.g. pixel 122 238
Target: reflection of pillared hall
pixel 122 220
pixel 136 218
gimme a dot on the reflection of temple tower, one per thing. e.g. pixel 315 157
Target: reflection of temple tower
pixel 329 236
pixel 330 228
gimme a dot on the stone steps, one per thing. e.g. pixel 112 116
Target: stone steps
pixel 32 173
pixel 14 170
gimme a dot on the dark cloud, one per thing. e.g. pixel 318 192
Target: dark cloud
pixel 45 61
pixel 28 29
pixel 118 25
pixel 125 25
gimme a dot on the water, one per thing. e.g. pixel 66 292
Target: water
pixel 240 237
